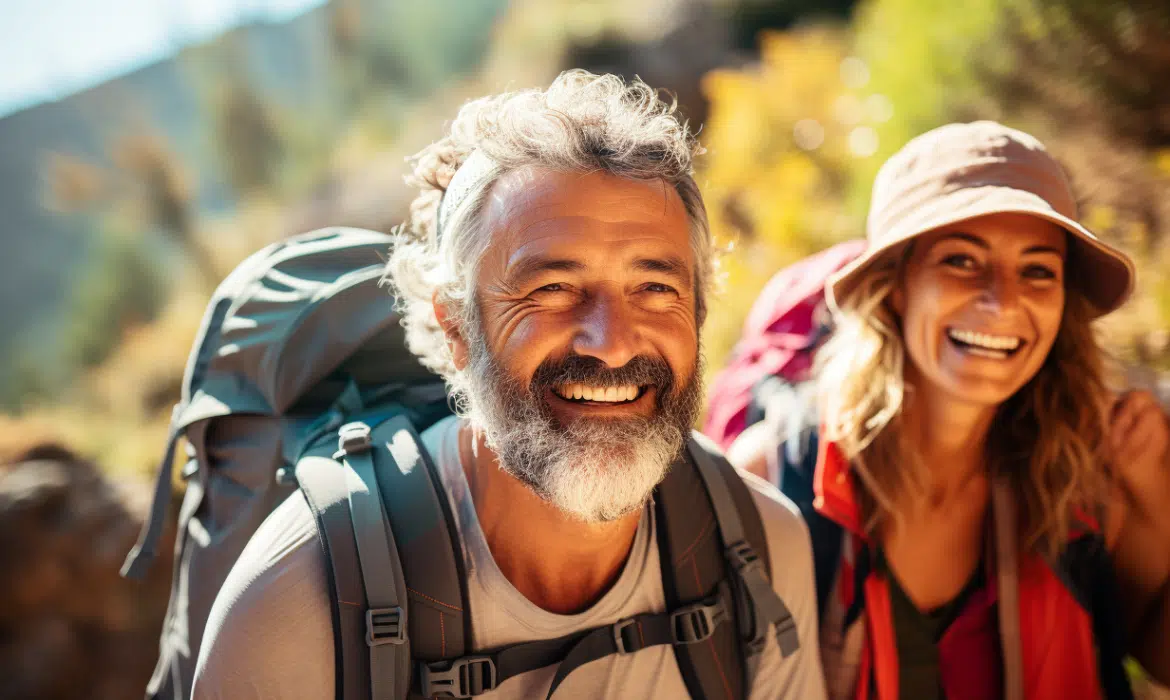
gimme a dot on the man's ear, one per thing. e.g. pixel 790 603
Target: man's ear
pixel 455 342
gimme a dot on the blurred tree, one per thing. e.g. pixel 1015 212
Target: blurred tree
pixel 73 185
pixel 779 158
pixel 748 18
pixel 163 196
pixel 1091 60
pixel 249 141
pixel 121 289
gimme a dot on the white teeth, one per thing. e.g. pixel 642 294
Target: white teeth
pixel 612 394
pixel 983 340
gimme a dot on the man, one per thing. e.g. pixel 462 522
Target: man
pixel 555 272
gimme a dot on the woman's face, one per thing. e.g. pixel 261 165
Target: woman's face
pixel 981 304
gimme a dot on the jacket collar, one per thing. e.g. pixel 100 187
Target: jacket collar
pixel 836 498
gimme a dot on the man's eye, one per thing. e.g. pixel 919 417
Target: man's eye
pixel 961 261
pixel 554 287
pixel 659 288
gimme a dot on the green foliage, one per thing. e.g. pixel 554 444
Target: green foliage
pixel 779 158
pixel 924 56
pixel 122 288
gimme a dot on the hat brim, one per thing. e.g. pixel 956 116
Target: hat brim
pixel 1104 274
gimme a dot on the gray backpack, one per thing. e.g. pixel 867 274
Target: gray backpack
pixel 300 378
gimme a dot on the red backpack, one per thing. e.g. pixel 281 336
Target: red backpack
pixel 786 323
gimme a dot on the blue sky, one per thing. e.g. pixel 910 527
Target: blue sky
pixel 51 48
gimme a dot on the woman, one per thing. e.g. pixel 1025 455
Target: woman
pixel 988 520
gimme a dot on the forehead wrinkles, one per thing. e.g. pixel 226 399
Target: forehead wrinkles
pixel 523 197
pixel 529 206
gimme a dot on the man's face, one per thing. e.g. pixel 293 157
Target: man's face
pixel 584 376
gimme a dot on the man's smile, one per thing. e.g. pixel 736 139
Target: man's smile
pixel 596 402
pixel 585 393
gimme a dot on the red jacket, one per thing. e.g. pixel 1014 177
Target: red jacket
pixel 1057 642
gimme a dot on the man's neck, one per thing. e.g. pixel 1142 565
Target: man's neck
pixel 559 563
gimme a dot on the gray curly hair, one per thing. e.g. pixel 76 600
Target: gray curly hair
pixel 581 123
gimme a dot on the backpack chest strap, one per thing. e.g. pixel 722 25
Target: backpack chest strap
pixel 474 675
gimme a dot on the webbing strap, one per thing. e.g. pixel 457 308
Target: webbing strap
pixel 474 675
pixel 623 637
pixel 381 573
pixel 766 606
pixel 322 482
pixel 144 552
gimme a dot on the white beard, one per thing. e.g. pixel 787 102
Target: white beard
pixel 597 471
pixel 594 470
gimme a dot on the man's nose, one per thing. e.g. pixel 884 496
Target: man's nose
pixel 608 331
pixel 1001 293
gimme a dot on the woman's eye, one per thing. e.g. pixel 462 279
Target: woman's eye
pixel 554 287
pixel 1039 272
pixel 659 288
pixel 961 261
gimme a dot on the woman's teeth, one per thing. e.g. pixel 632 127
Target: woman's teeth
pixel 985 344
pixel 610 394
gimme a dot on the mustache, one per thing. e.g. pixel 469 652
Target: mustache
pixel 581 369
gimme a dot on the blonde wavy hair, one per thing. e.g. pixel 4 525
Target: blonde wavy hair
pixel 1047 440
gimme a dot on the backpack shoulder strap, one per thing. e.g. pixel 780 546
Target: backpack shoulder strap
pixel 709 531
pixel 431 553
pixel 396 563
pixel 320 480
pixel 381 570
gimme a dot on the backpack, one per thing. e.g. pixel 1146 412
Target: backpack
pixel 786 323
pixel 300 378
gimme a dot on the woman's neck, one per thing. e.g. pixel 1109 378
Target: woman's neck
pixel 949 436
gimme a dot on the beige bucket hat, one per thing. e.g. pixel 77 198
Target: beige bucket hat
pixel 962 171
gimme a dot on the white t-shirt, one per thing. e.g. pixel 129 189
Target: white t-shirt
pixel 270 633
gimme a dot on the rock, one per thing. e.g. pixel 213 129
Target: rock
pixel 70 626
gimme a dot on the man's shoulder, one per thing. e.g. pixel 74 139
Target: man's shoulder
pixel 790 553
pixel 270 629
pixel 783 524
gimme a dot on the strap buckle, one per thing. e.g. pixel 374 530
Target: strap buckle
pixel 743 557
pixel 384 626
pixel 463 678
pixel 696 622
pixel 619 636
pixel 747 566
pixel 352 438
